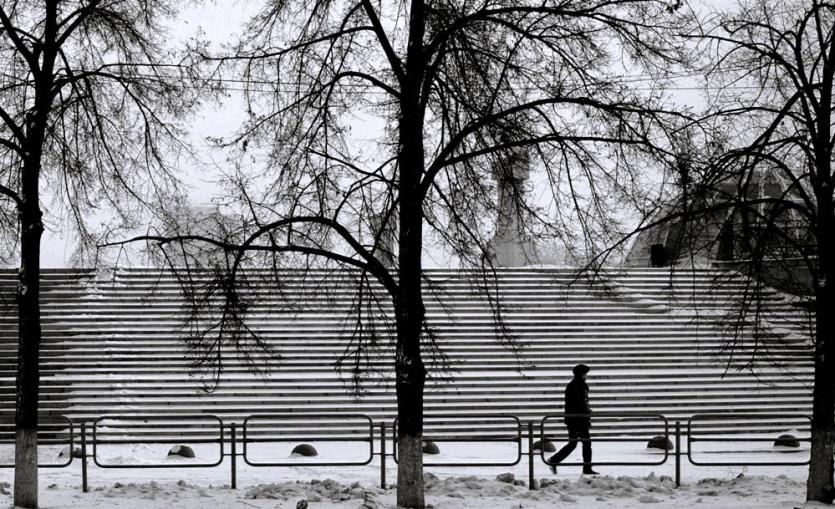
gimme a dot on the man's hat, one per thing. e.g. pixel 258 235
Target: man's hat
pixel 580 369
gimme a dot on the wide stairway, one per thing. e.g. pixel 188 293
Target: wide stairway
pixel 658 342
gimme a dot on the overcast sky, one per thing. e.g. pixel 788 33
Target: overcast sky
pixel 220 22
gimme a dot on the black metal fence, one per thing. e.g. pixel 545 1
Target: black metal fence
pixel 471 430
pixel 113 430
pixel 701 429
pixel 56 430
pixel 360 429
pixel 628 423
pixel 293 428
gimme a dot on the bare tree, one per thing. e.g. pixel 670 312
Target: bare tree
pixel 785 50
pixel 755 185
pixel 370 121
pixel 83 113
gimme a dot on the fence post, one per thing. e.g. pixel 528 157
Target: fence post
pixel 531 481
pixel 84 487
pixel 233 456
pixel 678 454
pixel 383 455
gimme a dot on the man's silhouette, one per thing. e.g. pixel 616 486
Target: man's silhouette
pixel 576 402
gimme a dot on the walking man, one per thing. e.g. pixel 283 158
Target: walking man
pixel 576 402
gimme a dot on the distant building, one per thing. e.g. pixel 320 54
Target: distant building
pixel 773 237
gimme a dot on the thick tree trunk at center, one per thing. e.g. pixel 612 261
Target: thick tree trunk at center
pixel 410 371
pixel 29 311
pixel 28 291
pixel 26 467
pixel 819 486
pixel 28 353
pixel 410 382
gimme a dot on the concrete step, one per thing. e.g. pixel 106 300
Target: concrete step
pixel 108 347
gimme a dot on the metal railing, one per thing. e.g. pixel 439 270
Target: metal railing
pixel 630 418
pixel 54 424
pixel 263 428
pixel 294 427
pixel 122 426
pixel 693 437
pixel 446 428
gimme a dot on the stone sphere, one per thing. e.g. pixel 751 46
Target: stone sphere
pixel 549 446
pixel 305 450
pixel 430 448
pixel 787 440
pixel 183 451
pixel 660 442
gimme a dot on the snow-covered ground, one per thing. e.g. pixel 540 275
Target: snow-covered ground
pixel 353 487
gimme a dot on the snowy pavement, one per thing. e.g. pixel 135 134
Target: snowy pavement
pixel 459 492
pixel 355 487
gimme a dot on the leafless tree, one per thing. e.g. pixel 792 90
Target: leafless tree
pixel 755 188
pixel 84 117
pixel 370 121
pixel 785 52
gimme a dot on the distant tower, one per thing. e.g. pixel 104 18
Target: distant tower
pixel 387 243
pixel 509 246
pixel 203 220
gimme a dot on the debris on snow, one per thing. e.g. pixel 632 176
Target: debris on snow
pixel 487 491
pixel 314 491
pixel 65 452
pixel 506 477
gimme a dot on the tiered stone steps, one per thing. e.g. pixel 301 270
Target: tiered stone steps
pixel 654 339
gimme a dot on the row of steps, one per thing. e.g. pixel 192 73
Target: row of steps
pixel 113 343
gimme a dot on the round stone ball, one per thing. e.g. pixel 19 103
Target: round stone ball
pixel 549 446
pixel 787 440
pixel 430 448
pixel 305 450
pixel 182 451
pixel 660 442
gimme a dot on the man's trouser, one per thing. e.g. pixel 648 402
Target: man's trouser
pixel 575 434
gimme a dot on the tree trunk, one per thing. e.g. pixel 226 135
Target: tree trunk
pixel 410 371
pixel 28 353
pixel 29 306
pixel 28 289
pixel 820 487
pixel 411 376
